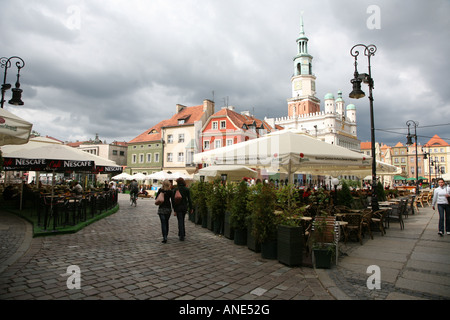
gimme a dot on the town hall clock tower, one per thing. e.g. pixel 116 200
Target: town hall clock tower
pixel 303 99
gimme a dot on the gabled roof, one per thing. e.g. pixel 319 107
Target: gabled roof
pixel 366 145
pixel 189 114
pixel 399 145
pixel 436 141
pixel 152 134
pixel 239 120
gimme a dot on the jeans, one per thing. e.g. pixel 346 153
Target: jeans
pixel 444 215
pixel 164 216
pixel 181 227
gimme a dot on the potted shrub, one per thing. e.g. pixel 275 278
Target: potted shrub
pixel 264 221
pixel 216 199
pixel 198 194
pixel 228 228
pixel 322 241
pixel 290 239
pixel 239 212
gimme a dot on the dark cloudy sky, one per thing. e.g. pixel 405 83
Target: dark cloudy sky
pixel 116 68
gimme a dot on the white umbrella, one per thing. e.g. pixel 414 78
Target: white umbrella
pixel 13 130
pixel 233 172
pixel 160 175
pixel 288 151
pixel 43 153
pixel 139 176
pixel 122 176
pixel 446 176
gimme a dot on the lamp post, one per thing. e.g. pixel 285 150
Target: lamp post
pixel 426 155
pixel 16 92
pixel 357 93
pixel 408 143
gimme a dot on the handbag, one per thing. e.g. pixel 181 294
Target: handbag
pixel 178 197
pixel 160 199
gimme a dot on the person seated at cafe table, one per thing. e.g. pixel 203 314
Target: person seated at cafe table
pixel 77 189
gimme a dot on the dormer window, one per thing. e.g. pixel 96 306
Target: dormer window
pixel 181 121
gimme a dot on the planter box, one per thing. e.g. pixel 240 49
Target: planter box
pixel 252 244
pixel 322 258
pixel 228 231
pixel 290 245
pixel 197 217
pixel 269 249
pixel 209 219
pixel 240 237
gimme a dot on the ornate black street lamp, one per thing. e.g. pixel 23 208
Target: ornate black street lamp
pixel 16 92
pixel 409 143
pixel 357 93
pixel 427 156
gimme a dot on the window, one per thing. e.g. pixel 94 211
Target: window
pixel 442 159
pixel 229 142
pixel 141 158
pixel 122 153
pixel 181 137
pixel 169 157
pixel 223 124
pixel 170 138
pixel 114 152
pixel 156 157
pixel 134 158
pixel 214 125
pixel 190 157
pixel 403 160
pixel 181 121
pixel 149 157
pixel 206 145
pixel 396 160
pixel 180 156
pixel 217 143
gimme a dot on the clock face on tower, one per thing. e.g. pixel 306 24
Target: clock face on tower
pixel 297 85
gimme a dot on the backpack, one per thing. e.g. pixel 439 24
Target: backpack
pixel 178 197
pixel 159 199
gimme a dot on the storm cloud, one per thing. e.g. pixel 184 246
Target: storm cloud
pixel 117 68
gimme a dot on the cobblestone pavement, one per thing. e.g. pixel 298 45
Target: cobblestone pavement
pixel 414 263
pixel 122 257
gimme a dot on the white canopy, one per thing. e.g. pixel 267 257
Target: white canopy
pixel 288 151
pixel 160 175
pixel 446 176
pixel 122 176
pixel 233 172
pixel 13 130
pixel 139 176
pixel 41 149
pixel 163 175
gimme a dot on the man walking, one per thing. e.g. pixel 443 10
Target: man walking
pixel 440 197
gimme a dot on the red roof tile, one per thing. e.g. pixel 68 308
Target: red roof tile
pixel 436 141
pixel 189 114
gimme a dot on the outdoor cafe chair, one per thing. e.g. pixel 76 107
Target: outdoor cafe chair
pixel 366 222
pixel 354 226
pixel 378 220
pixel 397 212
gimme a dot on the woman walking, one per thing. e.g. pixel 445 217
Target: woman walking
pixel 440 197
pixel 181 206
pixel 165 208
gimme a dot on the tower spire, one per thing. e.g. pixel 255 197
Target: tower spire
pixel 302 28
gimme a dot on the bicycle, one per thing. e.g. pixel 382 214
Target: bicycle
pixel 133 199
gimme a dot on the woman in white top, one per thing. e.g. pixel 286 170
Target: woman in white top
pixel 440 197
